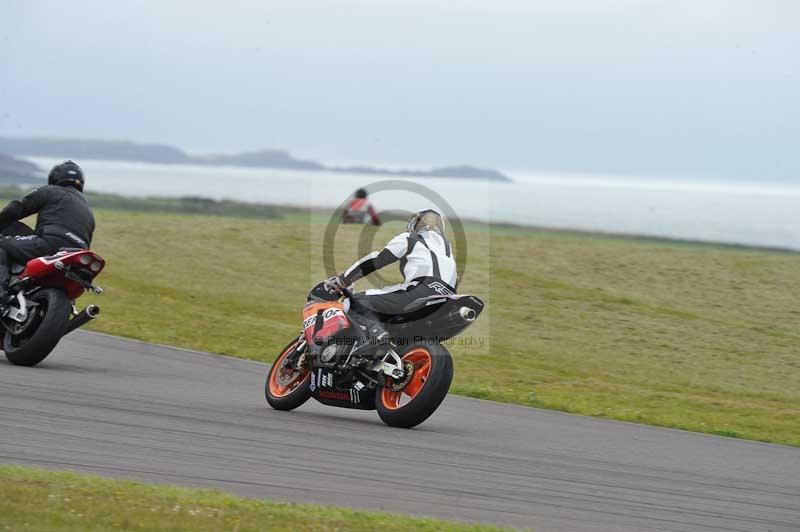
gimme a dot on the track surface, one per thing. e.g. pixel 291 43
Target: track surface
pixel 128 409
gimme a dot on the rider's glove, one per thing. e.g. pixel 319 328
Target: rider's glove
pixel 336 284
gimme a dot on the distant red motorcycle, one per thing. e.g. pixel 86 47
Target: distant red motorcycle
pixel 42 306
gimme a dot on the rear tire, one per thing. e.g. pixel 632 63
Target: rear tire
pixel 22 350
pixel 282 396
pixel 428 392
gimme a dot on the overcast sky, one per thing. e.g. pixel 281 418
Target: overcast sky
pixel 697 87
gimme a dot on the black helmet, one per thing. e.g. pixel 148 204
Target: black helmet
pixel 361 193
pixel 67 173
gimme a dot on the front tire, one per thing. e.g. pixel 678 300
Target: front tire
pixel 44 332
pixel 424 392
pixel 286 388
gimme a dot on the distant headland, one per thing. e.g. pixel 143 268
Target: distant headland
pixel 163 154
pixel 15 171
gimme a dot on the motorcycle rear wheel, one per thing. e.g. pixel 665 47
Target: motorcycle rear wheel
pixel 49 324
pixel 425 391
pixel 286 389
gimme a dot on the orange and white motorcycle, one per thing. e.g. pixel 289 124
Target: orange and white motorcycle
pixel 333 361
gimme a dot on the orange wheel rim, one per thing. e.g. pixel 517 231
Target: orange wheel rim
pixel 283 380
pixel 421 358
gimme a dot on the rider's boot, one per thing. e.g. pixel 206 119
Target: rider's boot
pixel 378 333
pixel 5 279
pixel 374 330
pixel 373 335
pixel 5 297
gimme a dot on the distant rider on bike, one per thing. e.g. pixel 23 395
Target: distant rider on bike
pixel 360 210
pixel 426 262
pixel 64 220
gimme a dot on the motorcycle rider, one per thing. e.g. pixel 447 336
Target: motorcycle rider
pixel 64 220
pixel 360 210
pixel 426 262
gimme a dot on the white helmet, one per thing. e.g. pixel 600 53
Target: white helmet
pixel 427 220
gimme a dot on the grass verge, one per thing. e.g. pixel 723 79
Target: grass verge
pixel 698 337
pixel 37 500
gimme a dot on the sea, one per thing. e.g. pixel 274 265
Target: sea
pixel 751 213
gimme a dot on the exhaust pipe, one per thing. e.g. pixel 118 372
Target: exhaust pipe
pixel 468 314
pixel 84 317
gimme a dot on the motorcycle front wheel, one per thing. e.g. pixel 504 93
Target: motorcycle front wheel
pixel 47 323
pixel 287 388
pixel 410 403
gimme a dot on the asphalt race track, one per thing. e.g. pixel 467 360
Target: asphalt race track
pixel 128 409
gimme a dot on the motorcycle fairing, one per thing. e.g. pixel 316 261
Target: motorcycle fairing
pixel 340 389
pixel 322 320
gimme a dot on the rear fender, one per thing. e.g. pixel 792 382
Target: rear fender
pixel 52 271
pixel 442 318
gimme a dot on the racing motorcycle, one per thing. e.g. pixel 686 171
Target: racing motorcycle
pixel 334 361
pixel 40 308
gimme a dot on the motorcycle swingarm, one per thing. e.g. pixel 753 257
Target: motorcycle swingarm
pixel 390 368
pixel 21 312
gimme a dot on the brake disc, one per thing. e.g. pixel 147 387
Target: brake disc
pixel 398 384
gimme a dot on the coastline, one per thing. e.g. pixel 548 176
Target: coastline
pixel 240 209
pixel 760 215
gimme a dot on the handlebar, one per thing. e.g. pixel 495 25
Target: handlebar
pixel 323 293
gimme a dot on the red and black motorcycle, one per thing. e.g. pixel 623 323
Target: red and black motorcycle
pixel 333 361
pixel 41 306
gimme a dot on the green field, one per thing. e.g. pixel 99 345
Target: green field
pixel 44 501
pixel 698 337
